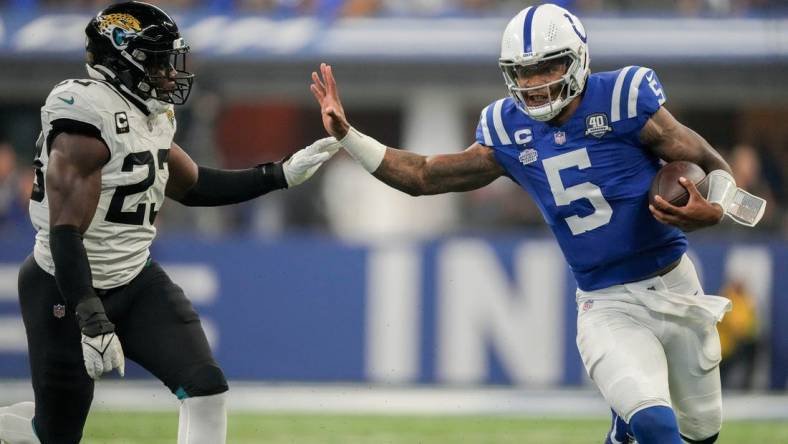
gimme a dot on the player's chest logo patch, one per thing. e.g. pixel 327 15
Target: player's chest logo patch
pixel 121 123
pixel 597 125
pixel 559 137
pixel 528 155
pixel 587 305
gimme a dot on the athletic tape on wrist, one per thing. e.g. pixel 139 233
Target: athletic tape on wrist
pixel 722 186
pixel 366 150
pixel 741 206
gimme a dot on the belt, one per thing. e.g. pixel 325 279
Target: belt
pixel 664 270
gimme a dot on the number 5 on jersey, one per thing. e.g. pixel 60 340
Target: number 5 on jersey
pixel 586 190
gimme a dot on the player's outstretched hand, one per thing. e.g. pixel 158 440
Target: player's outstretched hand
pixel 303 164
pixel 324 88
pixel 698 212
pixel 101 348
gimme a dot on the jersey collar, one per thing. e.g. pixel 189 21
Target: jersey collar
pixel 150 107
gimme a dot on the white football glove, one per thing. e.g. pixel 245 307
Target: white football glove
pixel 303 164
pixel 102 354
pixel 101 349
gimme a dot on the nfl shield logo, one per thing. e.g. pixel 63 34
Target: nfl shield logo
pixel 560 137
pixel 587 305
pixel 59 310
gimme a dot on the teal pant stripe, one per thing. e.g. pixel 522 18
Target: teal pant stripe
pixel 181 393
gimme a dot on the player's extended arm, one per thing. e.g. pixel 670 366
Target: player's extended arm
pixel 421 175
pixel 409 172
pixel 670 140
pixel 73 181
pixel 194 185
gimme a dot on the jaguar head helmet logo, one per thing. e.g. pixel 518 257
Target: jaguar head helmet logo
pixel 120 28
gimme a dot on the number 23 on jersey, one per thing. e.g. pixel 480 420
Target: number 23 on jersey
pixel 115 212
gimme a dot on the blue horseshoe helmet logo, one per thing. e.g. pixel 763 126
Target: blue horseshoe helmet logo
pixel 583 38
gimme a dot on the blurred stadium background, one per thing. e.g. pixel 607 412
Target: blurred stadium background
pixel 342 296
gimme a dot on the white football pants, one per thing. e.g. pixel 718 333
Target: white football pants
pixel 655 342
pixel 16 426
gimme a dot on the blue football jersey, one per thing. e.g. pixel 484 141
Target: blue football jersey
pixel 590 176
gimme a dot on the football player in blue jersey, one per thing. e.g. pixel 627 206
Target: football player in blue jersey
pixel 586 148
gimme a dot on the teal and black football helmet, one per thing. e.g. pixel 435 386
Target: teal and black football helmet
pixel 143 48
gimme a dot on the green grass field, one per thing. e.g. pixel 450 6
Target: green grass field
pixel 161 428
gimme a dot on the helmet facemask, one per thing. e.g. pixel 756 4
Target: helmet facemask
pixel 159 69
pixel 557 98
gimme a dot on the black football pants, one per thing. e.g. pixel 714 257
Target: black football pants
pixel 157 326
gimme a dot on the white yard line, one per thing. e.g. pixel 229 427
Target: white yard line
pixel 377 399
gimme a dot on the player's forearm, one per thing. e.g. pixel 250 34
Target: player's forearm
pixel 404 171
pixel 75 281
pixel 72 269
pixel 413 174
pixel 703 154
pixel 215 187
pixel 419 175
pixel 396 168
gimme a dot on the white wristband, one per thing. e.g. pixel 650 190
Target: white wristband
pixel 366 150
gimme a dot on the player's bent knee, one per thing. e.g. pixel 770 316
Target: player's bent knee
pixel 203 380
pixel 700 421
pixel 710 440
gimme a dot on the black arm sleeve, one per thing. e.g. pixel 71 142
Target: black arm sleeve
pixel 224 187
pixel 72 270
pixel 75 282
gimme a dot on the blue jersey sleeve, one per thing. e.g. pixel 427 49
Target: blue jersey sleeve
pixel 637 95
pixel 650 96
pixel 484 129
pixel 494 125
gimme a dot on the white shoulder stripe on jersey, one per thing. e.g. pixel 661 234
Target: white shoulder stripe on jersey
pixel 485 129
pixel 498 121
pixel 634 88
pixel 615 104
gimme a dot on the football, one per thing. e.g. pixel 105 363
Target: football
pixel 666 182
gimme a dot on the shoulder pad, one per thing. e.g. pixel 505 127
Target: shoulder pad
pixel 77 99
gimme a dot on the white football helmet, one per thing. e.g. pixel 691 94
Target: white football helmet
pixel 540 34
